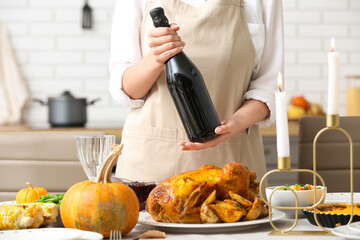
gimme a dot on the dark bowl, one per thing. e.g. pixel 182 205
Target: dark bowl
pixel 141 188
pixel 329 220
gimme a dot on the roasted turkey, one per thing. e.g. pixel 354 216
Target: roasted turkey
pixel 207 195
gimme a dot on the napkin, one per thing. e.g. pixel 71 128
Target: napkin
pixel 13 89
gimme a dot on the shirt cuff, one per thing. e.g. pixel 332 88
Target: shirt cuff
pixel 268 99
pixel 116 91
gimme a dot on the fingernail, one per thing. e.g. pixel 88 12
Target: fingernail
pixel 181 47
pixel 217 130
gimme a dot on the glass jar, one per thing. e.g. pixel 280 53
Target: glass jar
pixel 353 95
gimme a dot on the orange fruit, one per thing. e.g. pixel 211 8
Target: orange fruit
pixel 300 101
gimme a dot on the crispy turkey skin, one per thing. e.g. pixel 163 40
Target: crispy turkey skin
pixel 179 198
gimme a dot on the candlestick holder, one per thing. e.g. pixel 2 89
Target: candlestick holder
pixel 284 165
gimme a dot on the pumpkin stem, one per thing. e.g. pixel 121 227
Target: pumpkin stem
pixel 29 184
pixel 105 171
pixel 111 164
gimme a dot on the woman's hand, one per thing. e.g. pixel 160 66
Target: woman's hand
pixel 227 129
pixel 164 42
pixel 251 112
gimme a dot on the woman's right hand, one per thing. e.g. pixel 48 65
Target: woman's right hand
pixel 164 42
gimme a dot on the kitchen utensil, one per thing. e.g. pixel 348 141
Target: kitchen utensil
pixel 66 110
pixel 92 152
pixel 115 235
pixel 87 16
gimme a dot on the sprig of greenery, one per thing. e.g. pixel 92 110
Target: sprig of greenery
pixel 56 198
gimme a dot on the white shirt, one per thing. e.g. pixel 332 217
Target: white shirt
pixel 265 24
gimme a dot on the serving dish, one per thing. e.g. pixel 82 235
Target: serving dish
pixel 346 232
pixel 355 226
pixel 146 219
pixel 339 217
pixel 49 234
pixel 286 198
pixel 341 197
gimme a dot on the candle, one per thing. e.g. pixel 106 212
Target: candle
pixel 282 130
pixel 333 88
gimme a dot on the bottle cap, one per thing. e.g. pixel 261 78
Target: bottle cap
pixel 159 18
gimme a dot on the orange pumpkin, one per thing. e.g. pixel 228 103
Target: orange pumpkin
pixel 100 205
pixel 30 194
pixel 300 101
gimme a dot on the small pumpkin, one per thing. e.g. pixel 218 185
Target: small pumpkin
pixel 101 205
pixel 30 194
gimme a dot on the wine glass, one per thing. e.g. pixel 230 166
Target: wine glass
pixel 92 151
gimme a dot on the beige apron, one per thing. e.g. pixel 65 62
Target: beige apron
pixel 219 43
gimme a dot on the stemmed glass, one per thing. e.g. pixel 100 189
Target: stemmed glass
pixel 92 151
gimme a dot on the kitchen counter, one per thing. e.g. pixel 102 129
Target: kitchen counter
pixel 268 136
pixel 266 131
pixel 19 128
pixel 270 131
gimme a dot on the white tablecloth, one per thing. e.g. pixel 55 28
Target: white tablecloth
pixel 258 232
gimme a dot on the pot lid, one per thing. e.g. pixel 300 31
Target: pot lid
pixel 66 95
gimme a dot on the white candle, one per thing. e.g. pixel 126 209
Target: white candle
pixel 333 88
pixel 282 130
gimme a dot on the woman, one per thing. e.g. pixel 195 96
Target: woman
pixel 238 48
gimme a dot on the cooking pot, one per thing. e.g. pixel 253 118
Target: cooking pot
pixel 66 110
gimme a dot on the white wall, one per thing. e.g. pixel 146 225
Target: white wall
pixel 309 26
pixel 56 54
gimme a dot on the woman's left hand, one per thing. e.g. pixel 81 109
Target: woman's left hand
pixel 227 129
pixel 251 112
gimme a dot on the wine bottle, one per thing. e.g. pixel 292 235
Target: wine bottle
pixel 188 91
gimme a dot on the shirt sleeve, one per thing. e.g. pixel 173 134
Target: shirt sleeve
pixel 125 47
pixel 263 84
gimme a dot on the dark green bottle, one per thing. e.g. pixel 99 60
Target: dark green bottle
pixel 188 91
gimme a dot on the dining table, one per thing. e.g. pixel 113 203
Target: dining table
pixel 261 231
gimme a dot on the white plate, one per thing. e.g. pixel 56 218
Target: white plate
pixel 49 234
pixel 355 227
pixel 341 197
pixel 90 236
pixel 7 202
pixel 41 233
pixel 344 231
pixel 146 219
